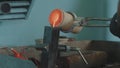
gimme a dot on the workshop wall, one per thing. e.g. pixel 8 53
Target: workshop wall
pixel 24 32
pixel 111 10
pixel 94 8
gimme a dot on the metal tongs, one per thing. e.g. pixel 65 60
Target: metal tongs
pixel 83 21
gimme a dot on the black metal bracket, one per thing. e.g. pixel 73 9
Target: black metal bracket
pixel 49 57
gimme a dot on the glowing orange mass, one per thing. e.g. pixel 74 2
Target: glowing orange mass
pixel 56 17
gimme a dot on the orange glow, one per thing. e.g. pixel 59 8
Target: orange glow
pixel 56 17
pixel 17 54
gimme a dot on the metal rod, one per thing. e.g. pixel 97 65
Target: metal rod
pixel 80 53
pixel 97 25
pixel 98 19
pixel 85 19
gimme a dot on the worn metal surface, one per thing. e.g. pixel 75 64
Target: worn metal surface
pixel 94 58
pixel 53 48
pixel 47 41
pixel 47 35
pixel 102 50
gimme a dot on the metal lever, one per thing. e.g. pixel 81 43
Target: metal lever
pixel 80 53
pixel 98 19
pixel 83 21
pixel 68 48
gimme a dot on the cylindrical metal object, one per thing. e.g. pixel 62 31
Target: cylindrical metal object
pixel 59 18
pixel 63 20
pixel 69 22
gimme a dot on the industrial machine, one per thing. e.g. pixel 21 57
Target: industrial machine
pixel 69 22
pixel 94 56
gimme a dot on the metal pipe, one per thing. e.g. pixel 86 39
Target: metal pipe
pixel 83 21
pixel 98 19
pixel 97 25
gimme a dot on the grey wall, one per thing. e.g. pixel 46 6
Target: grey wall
pixel 24 32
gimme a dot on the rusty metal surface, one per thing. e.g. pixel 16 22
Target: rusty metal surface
pixel 102 51
pixel 26 51
pixel 94 58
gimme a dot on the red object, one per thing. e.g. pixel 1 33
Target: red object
pixel 56 17
pixel 17 54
